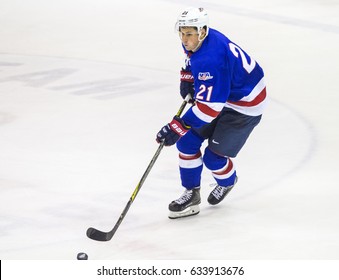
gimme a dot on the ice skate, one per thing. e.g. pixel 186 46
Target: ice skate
pixel 186 205
pixel 219 193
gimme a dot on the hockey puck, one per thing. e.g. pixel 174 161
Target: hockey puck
pixel 82 256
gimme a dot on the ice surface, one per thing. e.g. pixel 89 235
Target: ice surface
pixel 84 87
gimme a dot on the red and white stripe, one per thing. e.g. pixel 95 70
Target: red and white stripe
pixel 190 161
pixel 225 172
pixel 207 112
pixel 252 104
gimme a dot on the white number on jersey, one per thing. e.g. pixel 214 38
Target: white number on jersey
pixel 236 51
pixel 201 94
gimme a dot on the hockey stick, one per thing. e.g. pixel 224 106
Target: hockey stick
pixel 99 235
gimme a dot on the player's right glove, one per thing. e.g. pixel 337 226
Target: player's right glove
pixel 186 84
pixel 171 133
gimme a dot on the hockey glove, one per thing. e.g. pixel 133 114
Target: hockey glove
pixel 172 132
pixel 186 84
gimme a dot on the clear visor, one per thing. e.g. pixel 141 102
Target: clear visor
pixel 188 34
pixel 178 27
pixel 182 23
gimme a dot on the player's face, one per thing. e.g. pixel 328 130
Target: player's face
pixel 189 38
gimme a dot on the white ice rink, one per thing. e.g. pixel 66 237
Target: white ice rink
pixel 86 84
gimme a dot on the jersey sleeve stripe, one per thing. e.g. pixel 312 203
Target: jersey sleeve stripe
pixel 204 108
pixel 207 112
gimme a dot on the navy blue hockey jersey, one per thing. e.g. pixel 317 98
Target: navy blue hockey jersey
pixel 224 76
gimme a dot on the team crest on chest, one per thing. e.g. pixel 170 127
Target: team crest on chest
pixel 204 76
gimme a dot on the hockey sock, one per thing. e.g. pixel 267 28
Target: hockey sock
pixel 190 170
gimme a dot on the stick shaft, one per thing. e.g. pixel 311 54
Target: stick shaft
pixel 98 235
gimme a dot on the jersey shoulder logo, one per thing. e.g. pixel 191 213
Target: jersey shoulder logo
pixel 204 76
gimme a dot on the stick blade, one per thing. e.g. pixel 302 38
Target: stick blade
pixel 98 235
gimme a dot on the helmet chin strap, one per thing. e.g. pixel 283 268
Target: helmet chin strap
pixel 200 41
pixel 198 46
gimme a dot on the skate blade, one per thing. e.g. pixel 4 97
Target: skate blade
pixel 189 211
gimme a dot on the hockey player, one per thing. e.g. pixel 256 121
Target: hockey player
pixel 228 95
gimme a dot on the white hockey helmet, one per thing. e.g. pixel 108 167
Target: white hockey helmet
pixel 193 17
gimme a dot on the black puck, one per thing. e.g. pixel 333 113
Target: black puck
pixel 82 256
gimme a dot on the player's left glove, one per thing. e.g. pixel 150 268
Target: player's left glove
pixel 171 133
pixel 186 84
